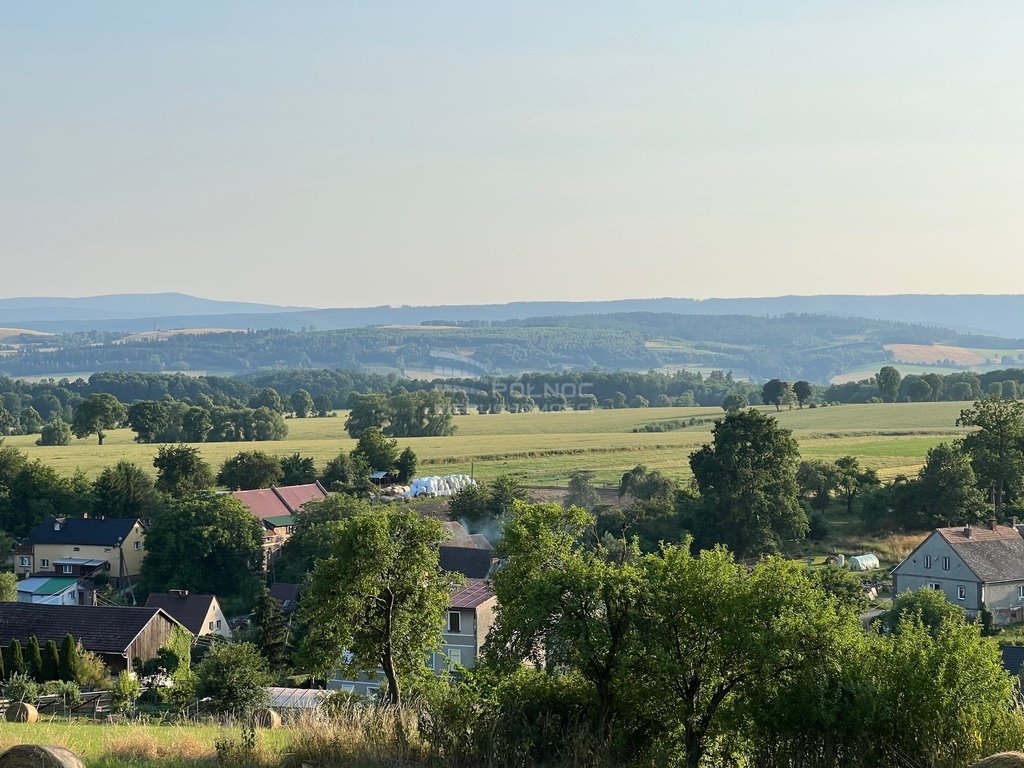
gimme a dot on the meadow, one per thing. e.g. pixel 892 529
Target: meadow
pixel 542 448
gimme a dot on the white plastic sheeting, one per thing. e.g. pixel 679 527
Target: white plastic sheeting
pixel 446 485
pixel 862 562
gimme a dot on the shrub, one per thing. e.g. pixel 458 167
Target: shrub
pixel 126 691
pixel 70 694
pixel 234 676
pixel 21 688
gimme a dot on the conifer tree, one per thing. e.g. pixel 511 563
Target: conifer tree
pixel 51 662
pixel 271 630
pixel 68 671
pixel 15 659
pixel 35 660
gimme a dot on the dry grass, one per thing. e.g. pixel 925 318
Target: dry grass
pixel 356 736
pixel 895 547
pixel 933 353
pixel 140 745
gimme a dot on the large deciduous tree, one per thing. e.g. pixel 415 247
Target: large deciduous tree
pixel 181 470
pixel 379 452
pixel 888 380
pixel 997 447
pixel 302 403
pixel 298 469
pixel 96 414
pixel 802 390
pixel 207 543
pixel 851 479
pixel 750 500
pixel 249 470
pixel 947 488
pixel 776 392
pixel 126 491
pixel 563 604
pixel 715 631
pixel 377 602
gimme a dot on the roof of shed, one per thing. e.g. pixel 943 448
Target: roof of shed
pixel 99 628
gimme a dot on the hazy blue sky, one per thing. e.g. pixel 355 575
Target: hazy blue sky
pixel 350 154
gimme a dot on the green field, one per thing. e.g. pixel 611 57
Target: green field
pixel 542 448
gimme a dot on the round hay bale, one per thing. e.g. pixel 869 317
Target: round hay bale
pixel 21 712
pixel 266 718
pixel 1002 760
pixel 39 756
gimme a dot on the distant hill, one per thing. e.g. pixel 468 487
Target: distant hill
pixel 1001 315
pixel 792 346
pixel 79 312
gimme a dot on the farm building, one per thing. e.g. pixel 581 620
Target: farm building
pixel 117 635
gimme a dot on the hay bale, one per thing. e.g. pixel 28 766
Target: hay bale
pixel 21 712
pixel 266 718
pixel 1002 760
pixel 39 756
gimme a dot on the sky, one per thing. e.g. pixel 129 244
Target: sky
pixel 354 154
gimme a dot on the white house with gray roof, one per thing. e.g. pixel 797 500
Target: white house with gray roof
pixel 972 566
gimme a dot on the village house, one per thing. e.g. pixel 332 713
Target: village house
pixel 468 619
pixel 199 614
pixel 84 547
pixel 56 590
pixel 117 635
pixel 275 508
pixel 972 566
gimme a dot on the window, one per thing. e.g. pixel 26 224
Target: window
pixel 211 626
pixel 927 561
pixel 454 622
pixel 66 568
pixel 945 563
pixel 1020 592
pixel 961 592
pixel 44 563
pixel 935 585
pixel 76 549
pixel 218 624
pixel 454 655
pixel 137 545
pixel 26 561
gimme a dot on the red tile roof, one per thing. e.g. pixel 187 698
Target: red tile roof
pixel 263 503
pixel 959 534
pixel 474 593
pixel 294 496
pixel 276 502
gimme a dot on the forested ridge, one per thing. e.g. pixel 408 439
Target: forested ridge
pixel 795 346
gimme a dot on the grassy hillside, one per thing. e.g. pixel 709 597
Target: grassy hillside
pixel 542 448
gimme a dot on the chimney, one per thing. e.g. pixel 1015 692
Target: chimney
pixel 56 525
pixel 992 524
pixel 1013 522
pixel 967 531
pixel 85 515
